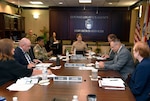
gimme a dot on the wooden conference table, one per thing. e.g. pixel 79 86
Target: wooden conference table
pixel 66 90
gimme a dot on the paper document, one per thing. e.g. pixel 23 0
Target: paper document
pixel 112 83
pixel 86 68
pixel 100 58
pixel 44 65
pixel 23 84
pixel 19 87
pixel 55 42
pixel 56 67
pixel 53 58
pixel 91 53
pixel 48 76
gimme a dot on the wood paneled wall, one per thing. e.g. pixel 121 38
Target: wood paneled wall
pixel 67 22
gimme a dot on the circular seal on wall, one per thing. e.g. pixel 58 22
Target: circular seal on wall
pixel 88 24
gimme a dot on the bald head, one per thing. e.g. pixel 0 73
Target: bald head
pixel 25 44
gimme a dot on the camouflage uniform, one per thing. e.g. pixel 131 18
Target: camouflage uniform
pixel 40 52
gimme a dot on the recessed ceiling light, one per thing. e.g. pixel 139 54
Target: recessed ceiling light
pixel 85 1
pixel 36 2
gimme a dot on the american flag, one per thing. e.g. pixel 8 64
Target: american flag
pixel 137 36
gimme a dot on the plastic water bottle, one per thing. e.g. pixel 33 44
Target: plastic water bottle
pixel 75 98
pixel 90 55
pixel 96 64
pixel 44 75
pixel 67 55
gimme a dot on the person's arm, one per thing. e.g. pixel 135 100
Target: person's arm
pixel 36 61
pixel 118 62
pixel 51 41
pixel 36 52
pixel 72 48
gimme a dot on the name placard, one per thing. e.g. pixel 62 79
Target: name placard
pixel 78 57
pixel 68 78
pixel 74 65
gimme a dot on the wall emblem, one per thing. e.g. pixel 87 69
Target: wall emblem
pixel 88 24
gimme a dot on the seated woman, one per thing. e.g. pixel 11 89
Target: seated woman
pixel 79 45
pixel 40 51
pixel 55 45
pixel 140 79
pixel 9 68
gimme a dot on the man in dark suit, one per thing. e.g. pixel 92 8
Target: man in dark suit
pixel 21 53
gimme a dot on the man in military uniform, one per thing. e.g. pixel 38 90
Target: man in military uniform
pixel 32 37
pixel 40 51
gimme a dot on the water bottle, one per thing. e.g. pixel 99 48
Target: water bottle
pixel 75 98
pixel 67 55
pixel 44 75
pixel 96 64
pixel 90 55
pixel 57 61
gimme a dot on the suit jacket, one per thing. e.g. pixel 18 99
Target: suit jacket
pixel 122 62
pixel 140 81
pixel 12 70
pixel 20 57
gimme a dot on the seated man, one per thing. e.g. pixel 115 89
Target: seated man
pixel 79 45
pixel 21 53
pixel 122 62
pixel 111 54
pixel 31 36
pixel 40 51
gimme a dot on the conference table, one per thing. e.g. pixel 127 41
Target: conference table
pixel 65 90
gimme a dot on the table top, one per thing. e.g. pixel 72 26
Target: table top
pixel 65 90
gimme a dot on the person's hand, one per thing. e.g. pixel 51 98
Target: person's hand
pixel 37 61
pixel 31 65
pixel 50 53
pixel 101 64
pixel 105 56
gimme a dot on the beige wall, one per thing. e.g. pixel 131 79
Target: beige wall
pixel 36 24
pixel 6 8
pixel 43 20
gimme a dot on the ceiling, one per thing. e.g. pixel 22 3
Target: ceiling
pixel 74 3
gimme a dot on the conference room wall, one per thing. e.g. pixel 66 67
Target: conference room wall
pixel 12 10
pixel 7 8
pixel 69 21
pixel 36 24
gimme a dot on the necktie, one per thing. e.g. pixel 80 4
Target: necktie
pixel 28 57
